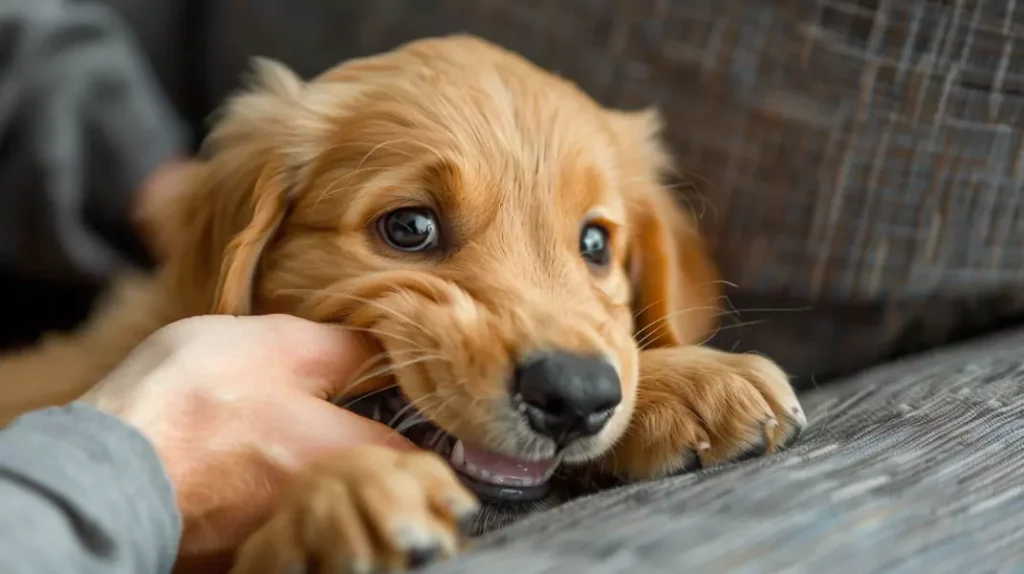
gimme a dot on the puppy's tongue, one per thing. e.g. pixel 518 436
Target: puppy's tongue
pixel 495 468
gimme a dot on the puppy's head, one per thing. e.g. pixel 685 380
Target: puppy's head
pixel 504 237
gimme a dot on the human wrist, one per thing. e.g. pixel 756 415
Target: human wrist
pixel 133 393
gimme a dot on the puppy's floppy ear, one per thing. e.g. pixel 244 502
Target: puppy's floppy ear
pixel 676 293
pixel 256 153
pixel 675 289
pixel 270 203
pixel 218 231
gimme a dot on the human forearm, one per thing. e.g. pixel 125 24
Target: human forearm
pixel 83 492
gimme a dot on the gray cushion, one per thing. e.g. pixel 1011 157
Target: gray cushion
pixel 917 466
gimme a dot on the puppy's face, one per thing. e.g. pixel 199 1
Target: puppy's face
pixel 501 235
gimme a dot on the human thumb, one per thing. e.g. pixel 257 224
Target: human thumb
pixel 335 361
pixel 317 428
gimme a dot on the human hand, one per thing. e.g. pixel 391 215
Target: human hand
pixel 233 405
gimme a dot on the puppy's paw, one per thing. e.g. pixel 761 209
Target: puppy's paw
pixel 369 509
pixel 699 407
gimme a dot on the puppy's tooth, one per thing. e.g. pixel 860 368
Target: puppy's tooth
pixel 484 473
pixel 549 473
pixel 458 455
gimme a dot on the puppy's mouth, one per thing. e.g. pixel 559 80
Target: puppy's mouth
pixel 493 476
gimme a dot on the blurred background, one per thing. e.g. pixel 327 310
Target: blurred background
pixel 856 164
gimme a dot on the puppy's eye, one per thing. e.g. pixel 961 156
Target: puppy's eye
pixel 594 246
pixel 410 229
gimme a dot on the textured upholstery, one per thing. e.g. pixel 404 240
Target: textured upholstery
pixel 912 467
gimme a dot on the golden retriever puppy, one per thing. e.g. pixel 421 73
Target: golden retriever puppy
pixel 539 294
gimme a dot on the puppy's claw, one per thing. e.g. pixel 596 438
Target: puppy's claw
pixel 409 538
pixel 699 405
pixel 420 557
pixel 692 462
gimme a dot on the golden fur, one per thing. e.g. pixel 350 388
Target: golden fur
pixel 280 217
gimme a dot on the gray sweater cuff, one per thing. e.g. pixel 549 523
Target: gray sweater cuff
pixel 108 482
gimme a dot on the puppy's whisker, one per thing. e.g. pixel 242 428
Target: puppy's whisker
pixel 718 282
pixel 407 423
pixel 422 403
pixel 434 438
pixel 370 330
pixel 407 417
pixel 430 412
pixel 425 415
pixel 659 301
pixel 382 334
pixel 384 355
pixel 417 418
pixel 360 375
pixel 649 331
pixel 375 304
pixel 646 307
pixel 772 310
pixel 455 423
pixel 646 334
pixel 726 328
pixel 733 314
pixel 384 370
pixel 389 368
pixel 342 401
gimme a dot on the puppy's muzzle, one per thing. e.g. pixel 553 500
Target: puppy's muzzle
pixel 566 396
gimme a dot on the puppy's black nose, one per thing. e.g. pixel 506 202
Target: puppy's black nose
pixel 567 396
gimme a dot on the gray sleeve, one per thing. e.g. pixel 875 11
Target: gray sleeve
pixel 83 122
pixel 82 492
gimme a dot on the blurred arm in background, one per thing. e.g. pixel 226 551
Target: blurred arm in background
pixel 85 134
